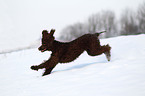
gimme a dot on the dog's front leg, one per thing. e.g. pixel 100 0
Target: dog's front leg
pixel 41 66
pixel 52 62
pixel 48 65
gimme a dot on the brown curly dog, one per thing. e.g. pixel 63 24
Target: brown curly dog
pixel 63 52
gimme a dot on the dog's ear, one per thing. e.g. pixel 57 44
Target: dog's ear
pixel 44 32
pixel 52 32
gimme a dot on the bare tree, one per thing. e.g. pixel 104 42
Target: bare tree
pixel 74 31
pixel 94 23
pixel 141 18
pixel 129 23
pixel 104 20
pixel 109 23
pixel 65 34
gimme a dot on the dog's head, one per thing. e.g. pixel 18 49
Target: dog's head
pixel 47 40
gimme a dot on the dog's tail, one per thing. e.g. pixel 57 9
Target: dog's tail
pixel 100 33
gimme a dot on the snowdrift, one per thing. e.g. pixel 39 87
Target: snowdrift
pixel 124 75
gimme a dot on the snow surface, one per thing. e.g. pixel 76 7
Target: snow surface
pixel 124 75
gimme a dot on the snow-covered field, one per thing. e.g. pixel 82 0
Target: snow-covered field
pixel 124 75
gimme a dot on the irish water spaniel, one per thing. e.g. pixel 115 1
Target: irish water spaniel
pixel 64 52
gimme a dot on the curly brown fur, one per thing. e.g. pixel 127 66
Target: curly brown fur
pixel 69 51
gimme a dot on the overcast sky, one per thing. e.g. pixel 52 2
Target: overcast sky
pixel 25 19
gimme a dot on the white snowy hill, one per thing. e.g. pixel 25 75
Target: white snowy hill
pixel 124 75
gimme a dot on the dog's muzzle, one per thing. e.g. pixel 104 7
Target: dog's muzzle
pixel 42 49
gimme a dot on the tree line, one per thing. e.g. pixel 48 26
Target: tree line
pixel 130 23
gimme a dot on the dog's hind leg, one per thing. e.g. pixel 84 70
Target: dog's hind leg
pixel 94 51
pixel 108 52
pixel 94 48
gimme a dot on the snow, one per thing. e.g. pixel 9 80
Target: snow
pixel 124 75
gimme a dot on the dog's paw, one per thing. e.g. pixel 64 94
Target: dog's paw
pixel 34 68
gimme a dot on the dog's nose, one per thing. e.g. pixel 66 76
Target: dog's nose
pixel 39 48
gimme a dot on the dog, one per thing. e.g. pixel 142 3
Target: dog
pixel 64 52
